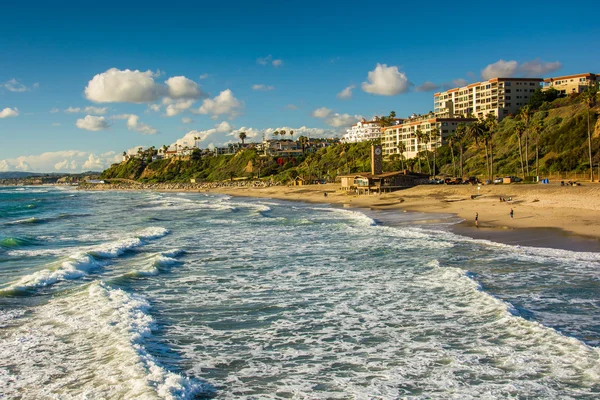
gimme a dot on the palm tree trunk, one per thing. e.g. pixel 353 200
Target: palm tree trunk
pixel 453 163
pixel 491 160
pixel 537 155
pixel 487 162
pixel 461 160
pixel 590 147
pixel 527 153
pixel 521 158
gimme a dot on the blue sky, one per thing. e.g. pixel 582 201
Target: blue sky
pixel 303 53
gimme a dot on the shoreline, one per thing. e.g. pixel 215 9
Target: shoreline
pixel 551 216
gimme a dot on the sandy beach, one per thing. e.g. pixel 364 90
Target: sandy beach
pixel 538 209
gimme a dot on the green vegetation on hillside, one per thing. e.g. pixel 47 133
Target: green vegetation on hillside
pixel 547 139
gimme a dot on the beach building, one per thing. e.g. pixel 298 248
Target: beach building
pixel 362 131
pixel 571 83
pixel 419 133
pixel 499 96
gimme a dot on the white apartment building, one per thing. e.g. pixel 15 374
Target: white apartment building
pixel 364 130
pixel 499 96
pixel 404 136
pixel 571 83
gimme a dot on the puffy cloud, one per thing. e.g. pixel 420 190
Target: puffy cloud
pixel 54 110
pixel 114 86
pixel 335 120
pixel 537 67
pixel 87 110
pixel 459 82
pixel 9 112
pixel 14 85
pixel 223 127
pixel 322 112
pixel 269 60
pixel 386 81
pixel 340 120
pixel 187 120
pixel 134 124
pixel 176 108
pixel 346 93
pixel 63 161
pixel 509 69
pixel 92 123
pixel 427 87
pixel 203 76
pixel 500 68
pixel 223 104
pixel 154 107
pixel 180 87
pixel 262 87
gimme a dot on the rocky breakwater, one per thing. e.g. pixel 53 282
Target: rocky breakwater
pixel 174 186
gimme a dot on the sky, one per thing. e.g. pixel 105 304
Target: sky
pixel 80 82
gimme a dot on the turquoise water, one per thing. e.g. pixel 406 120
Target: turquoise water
pixel 165 295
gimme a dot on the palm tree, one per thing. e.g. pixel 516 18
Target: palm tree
pixel 282 134
pixel 451 140
pixel 243 137
pixel 519 129
pixel 421 136
pixel 491 124
pixel 526 113
pixel 589 99
pixel 401 150
pixel 434 135
pixel 275 134
pixel 460 135
pixel 292 134
pixel 477 131
pixel 538 127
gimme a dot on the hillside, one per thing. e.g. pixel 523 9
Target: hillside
pixel 561 139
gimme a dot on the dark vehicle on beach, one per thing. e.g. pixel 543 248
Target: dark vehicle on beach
pixel 472 180
pixel 452 181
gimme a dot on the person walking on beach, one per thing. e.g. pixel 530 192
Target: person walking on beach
pixel 476 219
pixel 512 213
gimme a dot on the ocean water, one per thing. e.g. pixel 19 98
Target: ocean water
pixel 123 295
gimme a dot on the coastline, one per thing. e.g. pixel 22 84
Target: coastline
pixel 552 216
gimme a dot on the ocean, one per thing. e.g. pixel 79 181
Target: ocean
pixel 146 295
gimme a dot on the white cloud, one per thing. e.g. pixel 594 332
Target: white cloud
pixel 14 85
pixel 56 124
pixel 262 87
pixel 114 86
pixel 386 81
pixel 176 108
pixel 322 112
pixel 134 124
pixel 510 69
pixel 154 107
pixel 87 110
pixel 291 107
pixel 92 123
pixel 269 60
pixel 203 76
pixel 54 110
pixel 427 87
pixel 346 93
pixel 340 120
pixel 63 161
pixel 9 112
pixel 500 68
pixel 187 120
pixel 180 87
pixel 223 104
pixel 459 82
pixel 223 127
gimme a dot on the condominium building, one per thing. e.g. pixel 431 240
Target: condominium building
pixel 403 139
pixel 571 83
pixel 499 96
pixel 362 131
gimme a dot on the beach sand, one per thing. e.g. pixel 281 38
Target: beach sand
pixel 544 215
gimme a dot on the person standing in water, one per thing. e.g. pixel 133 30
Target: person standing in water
pixel 476 219
pixel 512 213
